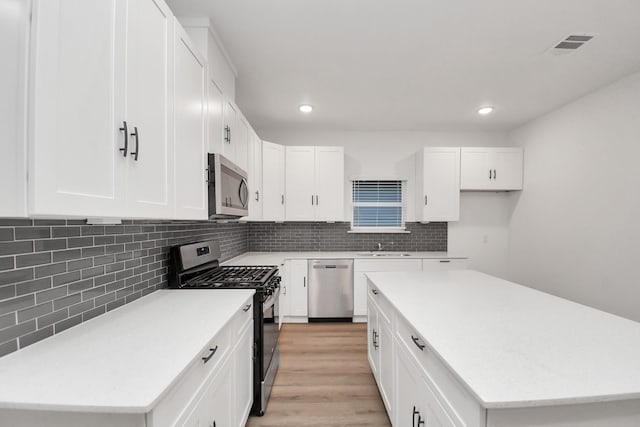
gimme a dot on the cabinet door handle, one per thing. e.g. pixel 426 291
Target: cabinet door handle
pixel 283 199
pixel 246 308
pixel 285 290
pixel 213 351
pixel 206 171
pixel 415 341
pixel 413 416
pixel 374 291
pixel 426 200
pixel 257 196
pixel 489 173
pixel 312 200
pixel 304 282
pixel 317 203
pixel 125 130
pixel 136 135
pixel 227 133
pixel 445 260
pixel 494 174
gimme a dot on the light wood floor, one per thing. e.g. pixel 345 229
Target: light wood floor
pixel 324 379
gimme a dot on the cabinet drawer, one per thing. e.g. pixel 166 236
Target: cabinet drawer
pixel 460 405
pixel 188 386
pixel 384 307
pixel 376 265
pixel 443 264
pixel 244 315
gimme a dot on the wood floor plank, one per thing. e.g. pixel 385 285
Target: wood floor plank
pixel 324 379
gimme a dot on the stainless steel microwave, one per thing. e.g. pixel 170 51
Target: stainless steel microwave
pixel 228 189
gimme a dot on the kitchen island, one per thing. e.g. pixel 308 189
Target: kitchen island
pixel 478 350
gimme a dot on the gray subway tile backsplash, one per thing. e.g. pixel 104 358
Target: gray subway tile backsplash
pixel 55 274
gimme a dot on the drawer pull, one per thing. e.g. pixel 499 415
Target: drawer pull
pixel 213 351
pixel 246 308
pixel 415 341
pixel 413 417
pixel 374 291
pixel 445 260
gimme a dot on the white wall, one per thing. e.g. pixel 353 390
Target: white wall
pixel 575 229
pixel 379 155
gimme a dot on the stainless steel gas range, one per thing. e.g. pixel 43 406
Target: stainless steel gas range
pixel 197 266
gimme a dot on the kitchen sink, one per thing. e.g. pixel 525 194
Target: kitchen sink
pixel 390 254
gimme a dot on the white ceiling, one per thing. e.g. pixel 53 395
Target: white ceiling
pixel 416 64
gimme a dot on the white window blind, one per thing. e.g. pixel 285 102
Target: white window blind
pixel 378 205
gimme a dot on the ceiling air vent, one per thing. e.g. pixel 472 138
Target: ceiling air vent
pixel 570 44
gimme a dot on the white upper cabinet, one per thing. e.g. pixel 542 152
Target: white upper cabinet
pixel 228 130
pixel 314 183
pixel 241 142
pixel 76 148
pixel 300 188
pixel 13 87
pixel 215 118
pixel 329 183
pixel 273 200
pixel 438 184
pixel 148 104
pixel 492 168
pixel 255 177
pixel 189 122
pixel 117 113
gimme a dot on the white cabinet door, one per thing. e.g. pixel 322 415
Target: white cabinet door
pixel 216 407
pixel 299 187
pixel 507 168
pixel 329 183
pixel 149 104
pixel 14 30
pixel 189 124
pixel 410 392
pixel 498 169
pixel 215 106
pixel 475 169
pixel 385 368
pixel 273 202
pixel 255 178
pixel 77 72
pixel 244 376
pixel 443 264
pixel 359 294
pixel 373 333
pixel 241 142
pixel 228 147
pixel 297 288
pixel 438 184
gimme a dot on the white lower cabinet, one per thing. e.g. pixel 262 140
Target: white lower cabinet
pixel 380 349
pixel 294 307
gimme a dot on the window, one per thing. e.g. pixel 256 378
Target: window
pixel 378 206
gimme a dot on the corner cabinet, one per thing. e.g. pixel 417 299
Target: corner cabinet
pixel 492 168
pixel 438 184
pixel 314 183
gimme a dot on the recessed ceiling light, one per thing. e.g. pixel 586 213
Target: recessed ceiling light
pixel 305 108
pixel 485 110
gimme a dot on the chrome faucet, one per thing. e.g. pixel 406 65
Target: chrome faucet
pixel 379 246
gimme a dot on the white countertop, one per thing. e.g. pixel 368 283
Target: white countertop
pixel 513 346
pixel 278 258
pixel 123 361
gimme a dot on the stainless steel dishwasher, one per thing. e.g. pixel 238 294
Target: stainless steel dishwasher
pixel 330 289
